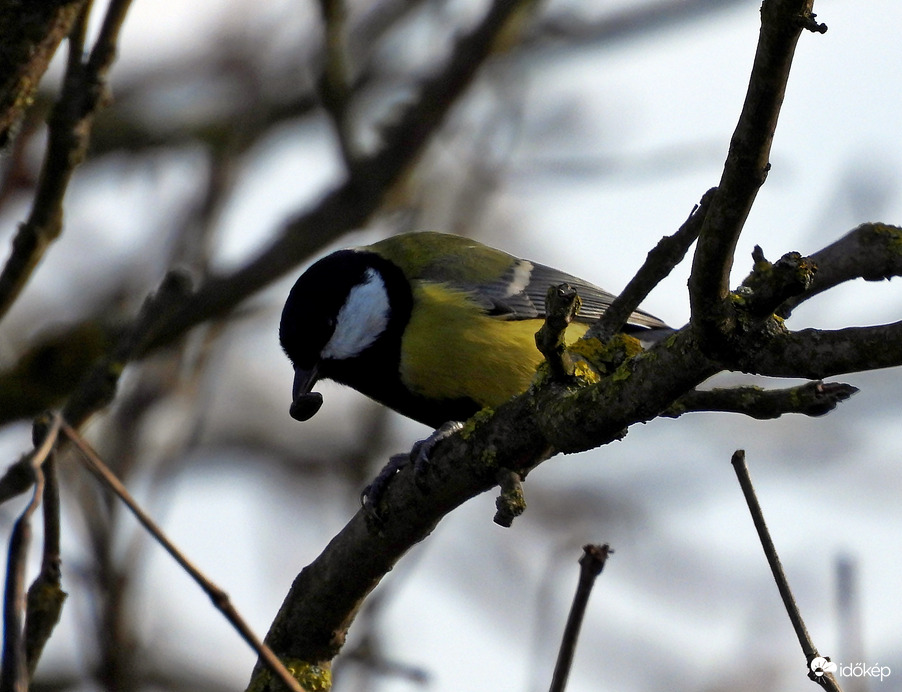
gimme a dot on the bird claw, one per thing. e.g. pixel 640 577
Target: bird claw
pixel 419 456
pixel 422 450
pixel 372 494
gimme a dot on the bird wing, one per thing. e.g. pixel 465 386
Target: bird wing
pixel 520 294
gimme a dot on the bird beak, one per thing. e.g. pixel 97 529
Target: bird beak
pixel 304 403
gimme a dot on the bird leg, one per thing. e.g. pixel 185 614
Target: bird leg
pixel 419 455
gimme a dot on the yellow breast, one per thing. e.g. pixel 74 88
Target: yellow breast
pixel 452 349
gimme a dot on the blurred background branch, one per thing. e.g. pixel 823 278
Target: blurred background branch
pixel 70 123
pixel 220 155
pixel 31 36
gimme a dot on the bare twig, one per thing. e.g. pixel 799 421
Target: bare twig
pixel 104 51
pixel 511 502
pixel 561 305
pixel 590 566
pixel 45 595
pixel 14 672
pixel 747 164
pixel 825 679
pixel 660 261
pixel 83 94
pixel 335 80
pixel 219 597
pixel 568 29
pixel 810 399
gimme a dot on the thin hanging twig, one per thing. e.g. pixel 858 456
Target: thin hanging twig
pixel 14 671
pixel 590 566
pixel 220 598
pixel 821 677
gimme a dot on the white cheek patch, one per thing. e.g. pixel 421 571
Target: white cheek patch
pixel 522 272
pixel 361 320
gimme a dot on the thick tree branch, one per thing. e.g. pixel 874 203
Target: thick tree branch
pixel 314 629
pixel 552 417
pixel 815 354
pixel 872 251
pixel 575 418
pixel 782 21
pixel 325 597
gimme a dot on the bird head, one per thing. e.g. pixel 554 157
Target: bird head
pixel 337 311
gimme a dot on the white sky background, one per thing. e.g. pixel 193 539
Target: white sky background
pixel 687 601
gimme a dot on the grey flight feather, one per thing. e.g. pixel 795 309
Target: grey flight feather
pixel 520 294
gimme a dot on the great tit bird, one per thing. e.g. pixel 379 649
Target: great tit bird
pixel 434 326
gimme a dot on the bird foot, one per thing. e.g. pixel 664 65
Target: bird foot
pixel 419 456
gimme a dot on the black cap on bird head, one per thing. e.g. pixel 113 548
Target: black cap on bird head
pixel 336 310
pixel 308 321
